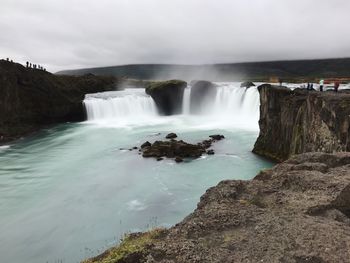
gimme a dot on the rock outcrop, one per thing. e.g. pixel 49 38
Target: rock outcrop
pixel 297 212
pixel 247 84
pixel 299 121
pixel 178 149
pixel 202 93
pixel 167 95
pixel 31 99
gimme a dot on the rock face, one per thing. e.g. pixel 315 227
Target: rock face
pixel 297 212
pixel 31 99
pixel 247 84
pixel 293 122
pixel 167 95
pixel 202 93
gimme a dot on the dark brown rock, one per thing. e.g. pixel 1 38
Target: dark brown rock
pixel 210 152
pixel 145 144
pixel 217 137
pixel 32 99
pixel 294 122
pixel 171 136
pixel 247 84
pixel 178 159
pixel 174 148
pixel 167 95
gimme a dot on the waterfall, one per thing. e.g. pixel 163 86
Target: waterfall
pixel 231 106
pixel 186 101
pixel 122 107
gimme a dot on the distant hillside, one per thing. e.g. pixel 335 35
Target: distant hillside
pixel 297 69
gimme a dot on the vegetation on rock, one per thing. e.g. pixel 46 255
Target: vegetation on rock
pixel 298 211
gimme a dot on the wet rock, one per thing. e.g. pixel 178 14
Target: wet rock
pixel 247 84
pixel 146 144
pixel 210 152
pixel 178 159
pixel 176 148
pixel 160 158
pixel 134 148
pixel 167 95
pixel 171 136
pixel 217 137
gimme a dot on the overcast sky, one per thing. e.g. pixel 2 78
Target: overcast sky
pixel 66 34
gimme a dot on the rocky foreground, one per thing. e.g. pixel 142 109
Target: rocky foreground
pixel 298 211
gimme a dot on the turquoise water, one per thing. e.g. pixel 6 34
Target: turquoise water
pixel 69 192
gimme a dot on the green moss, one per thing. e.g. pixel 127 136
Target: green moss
pixel 132 245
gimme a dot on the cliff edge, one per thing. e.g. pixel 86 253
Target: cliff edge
pixel 31 99
pixel 298 211
pixel 298 121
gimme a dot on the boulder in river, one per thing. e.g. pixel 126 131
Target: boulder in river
pixel 217 137
pixel 168 95
pixel 146 144
pixel 171 136
pixel 210 152
pixel 178 148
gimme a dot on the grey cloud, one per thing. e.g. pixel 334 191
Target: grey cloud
pixel 78 33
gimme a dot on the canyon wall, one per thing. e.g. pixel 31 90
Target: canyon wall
pixel 31 99
pixel 299 121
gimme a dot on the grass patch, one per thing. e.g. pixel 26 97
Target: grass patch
pixel 133 248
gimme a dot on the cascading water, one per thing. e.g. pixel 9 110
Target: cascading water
pixel 231 106
pixel 126 107
pixel 52 180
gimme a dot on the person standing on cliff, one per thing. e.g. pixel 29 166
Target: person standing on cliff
pixel 308 87
pixel 321 84
pixel 336 86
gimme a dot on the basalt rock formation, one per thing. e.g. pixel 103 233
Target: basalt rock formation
pixel 297 212
pixel 247 84
pixel 167 95
pixel 202 93
pixel 299 121
pixel 31 99
pixel 178 149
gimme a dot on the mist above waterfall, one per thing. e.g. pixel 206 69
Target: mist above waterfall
pixel 232 106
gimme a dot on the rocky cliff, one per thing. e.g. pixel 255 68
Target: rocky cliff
pixel 299 121
pixel 298 211
pixel 167 95
pixel 31 98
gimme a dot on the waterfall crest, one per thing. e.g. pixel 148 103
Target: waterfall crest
pixel 231 105
pixel 126 107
